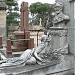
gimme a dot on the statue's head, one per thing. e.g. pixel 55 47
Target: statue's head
pixel 58 7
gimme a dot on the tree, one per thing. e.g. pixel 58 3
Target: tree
pixel 12 16
pixel 43 11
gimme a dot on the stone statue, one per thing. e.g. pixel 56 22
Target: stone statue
pixel 30 56
pixel 59 16
pixel 59 29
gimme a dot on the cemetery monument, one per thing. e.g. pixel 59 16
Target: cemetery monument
pixel 60 43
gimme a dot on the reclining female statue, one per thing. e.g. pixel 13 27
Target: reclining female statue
pixel 30 56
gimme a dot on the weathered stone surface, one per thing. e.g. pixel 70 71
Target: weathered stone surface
pixel 3 24
pixel 69 10
pixel 58 31
pixel 66 64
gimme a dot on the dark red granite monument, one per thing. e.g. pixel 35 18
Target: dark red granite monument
pixel 23 35
pixel 24 16
pixel 24 31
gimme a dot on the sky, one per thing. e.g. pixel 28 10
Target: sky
pixel 33 1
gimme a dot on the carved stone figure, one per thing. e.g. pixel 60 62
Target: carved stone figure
pixel 59 29
pixel 30 56
pixel 59 16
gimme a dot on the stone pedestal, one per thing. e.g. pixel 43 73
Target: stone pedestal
pixel 59 37
pixel 64 67
pixel 22 34
pixel 23 40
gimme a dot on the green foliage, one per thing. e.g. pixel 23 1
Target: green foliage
pixel 12 17
pixel 43 11
pixel 11 37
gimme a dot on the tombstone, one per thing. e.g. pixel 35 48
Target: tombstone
pixel 24 16
pixel 3 20
pixel 24 33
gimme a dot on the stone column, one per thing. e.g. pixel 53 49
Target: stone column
pixel 3 21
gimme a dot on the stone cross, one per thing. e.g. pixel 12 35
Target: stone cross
pixel 24 16
pixel 40 22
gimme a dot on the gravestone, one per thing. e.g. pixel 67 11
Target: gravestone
pixel 24 16
pixel 24 32
pixel 3 20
